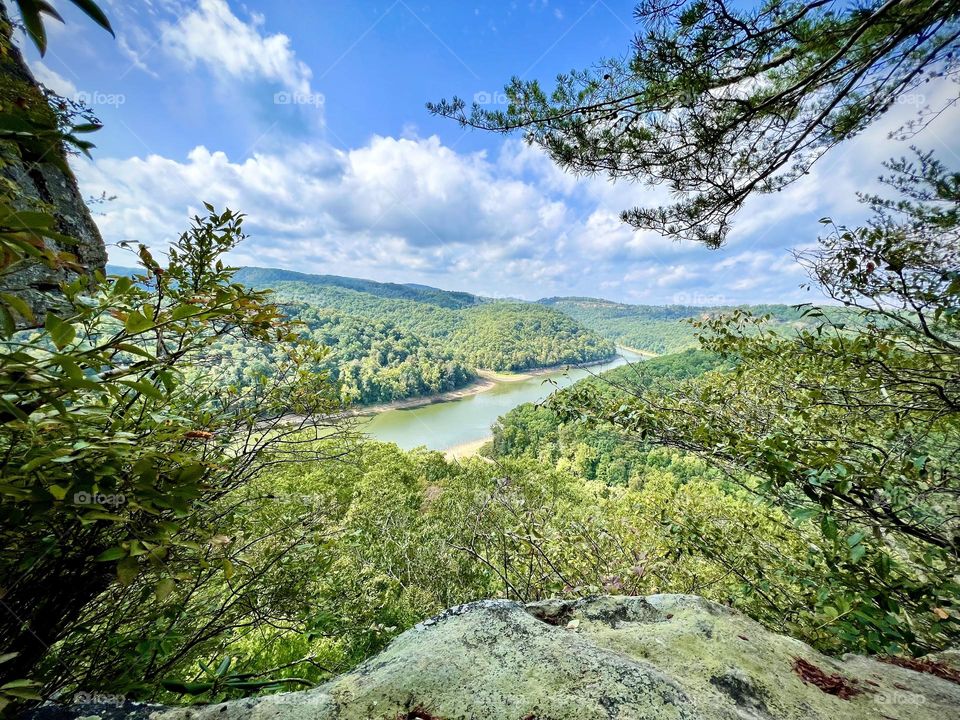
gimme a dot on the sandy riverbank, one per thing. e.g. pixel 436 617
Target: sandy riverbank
pixel 467 449
pixel 486 379
pixel 638 351
pixel 534 372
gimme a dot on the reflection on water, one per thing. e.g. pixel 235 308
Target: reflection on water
pixel 444 425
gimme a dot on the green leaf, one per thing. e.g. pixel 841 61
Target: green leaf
pixel 802 514
pixel 33 23
pixel 164 589
pixel 60 331
pixel 94 12
pixel 127 570
pixel 114 553
pixel 19 683
pixel 19 305
pixel 86 128
pixel 183 311
pixel 828 526
pixel 144 387
pixel 855 539
pixel 137 322
pixel 95 515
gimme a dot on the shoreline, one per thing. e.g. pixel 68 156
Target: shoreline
pixel 638 351
pixel 476 387
pixel 486 379
pixel 465 450
pixel 508 377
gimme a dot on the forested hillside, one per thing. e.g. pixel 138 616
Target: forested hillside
pixel 389 342
pixel 662 329
pixel 267 277
pixel 588 451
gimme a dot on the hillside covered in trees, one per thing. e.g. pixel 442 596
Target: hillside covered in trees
pixel 188 515
pixel 663 329
pixel 389 342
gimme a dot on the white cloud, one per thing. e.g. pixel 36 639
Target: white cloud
pixel 413 209
pixel 53 80
pixel 394 207
pixel 212 35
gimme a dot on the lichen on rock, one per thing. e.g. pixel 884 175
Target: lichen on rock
pixel 661 657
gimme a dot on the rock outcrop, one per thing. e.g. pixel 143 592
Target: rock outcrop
pixel 663 657
pixel 40 174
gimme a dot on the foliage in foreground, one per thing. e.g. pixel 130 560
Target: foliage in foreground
pixel 111 457
pixel 854 431
pixel 402 535
pixel 721 100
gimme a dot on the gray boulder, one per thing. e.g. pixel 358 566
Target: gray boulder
pixel 662 657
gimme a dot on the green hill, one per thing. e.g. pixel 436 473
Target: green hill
pixel 389 341
pixel 661 329
pixel 271 277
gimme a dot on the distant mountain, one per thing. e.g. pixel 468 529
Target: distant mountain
pixel 482 332
pixel 663 329
pixel 389 341
pixel 269 277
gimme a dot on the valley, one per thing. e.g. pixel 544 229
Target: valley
pixel 460 426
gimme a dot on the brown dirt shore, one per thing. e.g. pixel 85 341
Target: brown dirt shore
pixel 480 385
pixel 486 379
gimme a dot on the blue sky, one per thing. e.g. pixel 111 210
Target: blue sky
pixel 309 117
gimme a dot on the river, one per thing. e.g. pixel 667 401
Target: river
pixel 467 420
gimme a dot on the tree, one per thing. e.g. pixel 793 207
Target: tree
pixel 117 434
pixel 718 103
pixel 32 12
pixel 854 427
pixel 110 452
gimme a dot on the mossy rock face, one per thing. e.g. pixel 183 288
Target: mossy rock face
pixel 663 657
pixel 35 174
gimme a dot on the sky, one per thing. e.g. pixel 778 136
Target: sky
pixel 309 117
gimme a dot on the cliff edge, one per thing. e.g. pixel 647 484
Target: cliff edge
pixel 675 657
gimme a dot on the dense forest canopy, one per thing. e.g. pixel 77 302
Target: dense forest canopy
pixel 389 342
pixel 669 328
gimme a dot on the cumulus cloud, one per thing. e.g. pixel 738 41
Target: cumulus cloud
pixel 393 206
pixel 413 209
pixel 212 35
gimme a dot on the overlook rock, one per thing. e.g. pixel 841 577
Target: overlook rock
pixel 661 657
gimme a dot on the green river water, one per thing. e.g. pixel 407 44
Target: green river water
pixel 445 425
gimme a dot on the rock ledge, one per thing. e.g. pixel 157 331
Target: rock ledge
pixel 662 657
